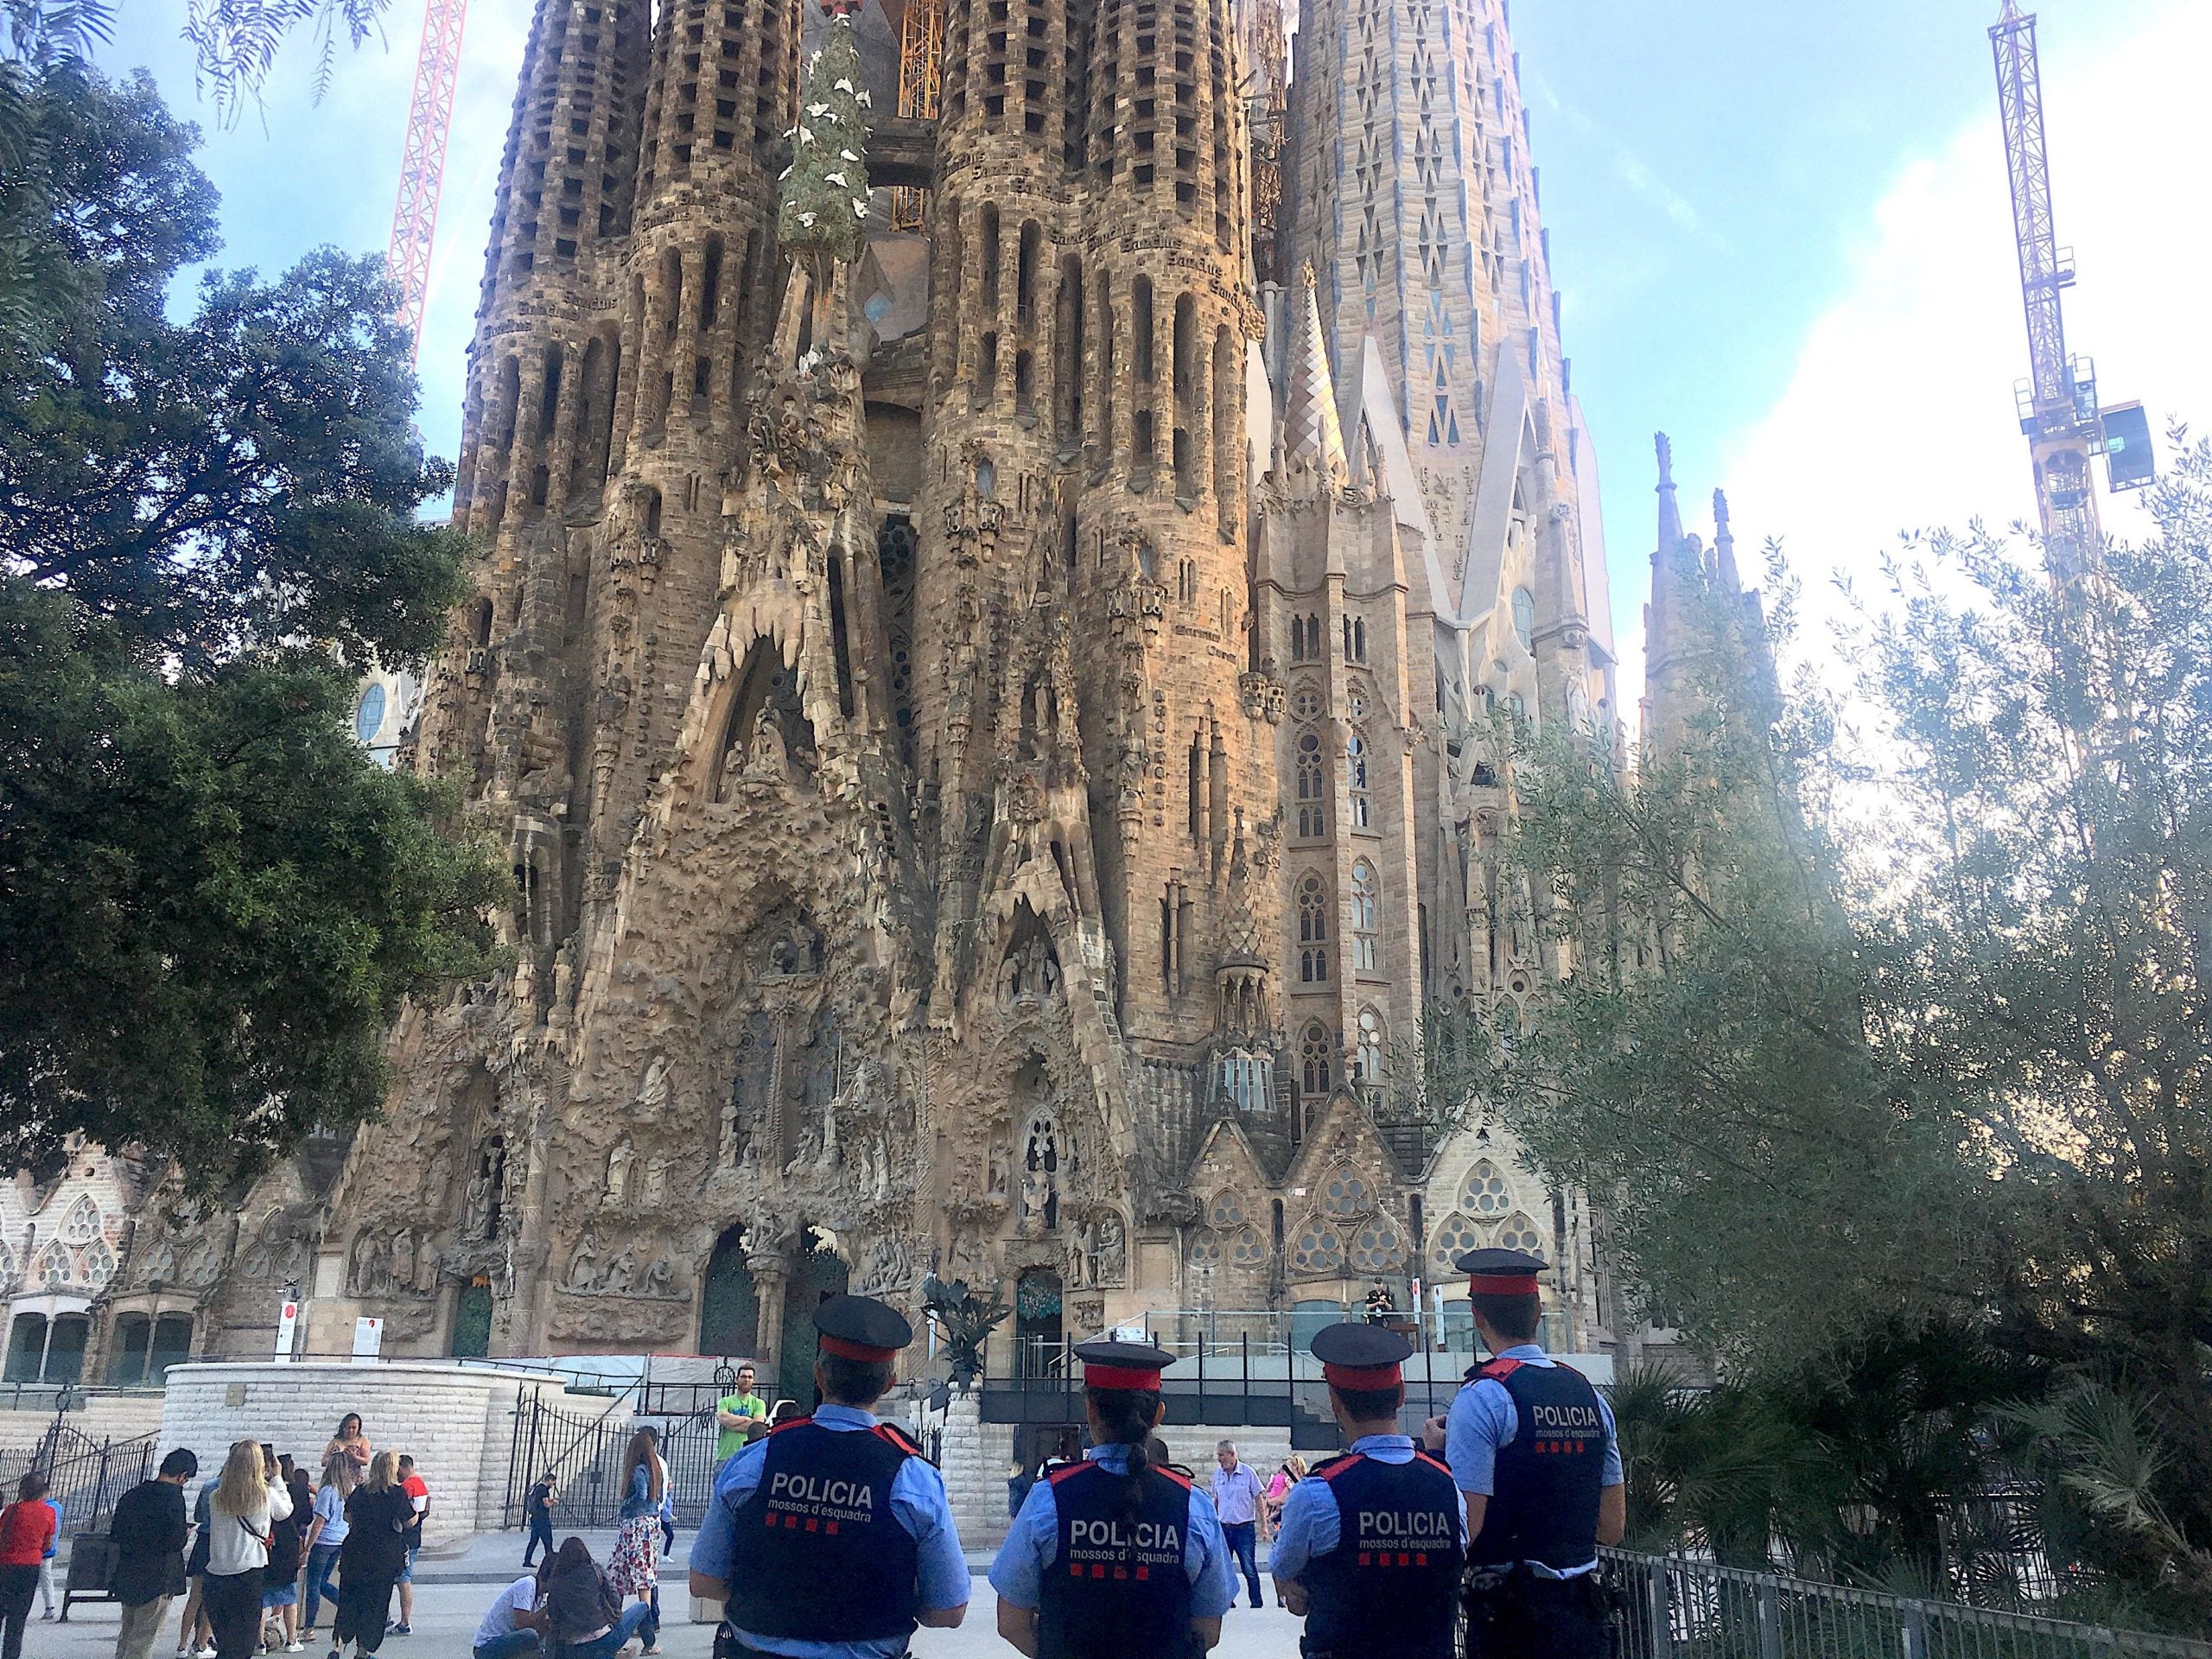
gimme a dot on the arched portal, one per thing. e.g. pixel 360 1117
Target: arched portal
pixel 1039 1329
pixel 472 1321
pixel 816 1274
pixel 729 1312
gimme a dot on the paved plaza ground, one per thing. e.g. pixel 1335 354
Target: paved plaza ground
pixel 453 1590
pixel 446 1616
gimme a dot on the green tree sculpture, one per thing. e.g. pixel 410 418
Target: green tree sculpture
pixel 822 220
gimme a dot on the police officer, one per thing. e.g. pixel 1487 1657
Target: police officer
pixel 829 1538
pixel 1371 1544
pixel 1533 1450
pixel 1114 1557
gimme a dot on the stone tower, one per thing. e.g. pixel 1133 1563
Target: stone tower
pixel 999 758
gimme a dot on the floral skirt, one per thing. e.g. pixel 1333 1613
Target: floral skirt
pixel 635 1569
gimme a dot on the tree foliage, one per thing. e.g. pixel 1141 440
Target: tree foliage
pixel 1885 1008
pixel 212 903
pixel 823 208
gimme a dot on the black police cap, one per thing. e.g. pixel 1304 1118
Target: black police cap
pixel 1501 1273
pixel 1360 1355
pixel 859 1327
pixel 1121 1364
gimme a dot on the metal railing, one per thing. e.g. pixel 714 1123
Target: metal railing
pixel 584 1454
pixel 1671 1607
pixel 85 1476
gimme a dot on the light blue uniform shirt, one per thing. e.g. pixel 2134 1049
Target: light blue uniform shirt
pixel 1033 1544
pixel 917 1502
pixel 1483 1418
pixel 1311 1525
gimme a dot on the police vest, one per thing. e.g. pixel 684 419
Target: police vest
pixel 1390 1584
pixel 1118 1586
pixel 1545 1504
pixel 818 1556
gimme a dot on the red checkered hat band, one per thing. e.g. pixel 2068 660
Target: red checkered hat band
pixel 1502 1284
pixel 861 1350
pixel 1096 1376
pixel 1362 1377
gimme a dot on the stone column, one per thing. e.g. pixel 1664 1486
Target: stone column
pixel 770 1273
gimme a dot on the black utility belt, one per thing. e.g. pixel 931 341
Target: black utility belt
pixel 727 1646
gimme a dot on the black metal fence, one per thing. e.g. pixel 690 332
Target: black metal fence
pixel 1671 1607
pixel 583 1453
pixel 87 1475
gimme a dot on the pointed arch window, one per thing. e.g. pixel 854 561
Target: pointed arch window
pixel 1357 799
pixel 1312 932
pixel 1317 1053
pixel 1312 805
pixel 1367 1052
pixel 1366 908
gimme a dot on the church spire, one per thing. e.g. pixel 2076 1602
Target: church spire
pixel 1724 544
pixel 1670 515
pixel 1312 431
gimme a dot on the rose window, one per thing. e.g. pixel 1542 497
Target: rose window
pixel 1246 1249
pixel 1320 1248
pixel 1486 1192
pixel 1453 1240
pixel 82 1224
pixel 1520 1234
pixel 1377 1248
pixel 1226 1212
pixel 1345 1194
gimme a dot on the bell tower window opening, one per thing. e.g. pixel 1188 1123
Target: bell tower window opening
pixel 1312 932
pixel 1355 792
pixel 1365 908
pixel 1312 787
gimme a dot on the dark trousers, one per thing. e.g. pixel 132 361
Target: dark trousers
pixel 1240 1535
pixel 17 1585
pixel 364 1604
pixel 1539 1618
pixel 232 1603
pixel 540 1535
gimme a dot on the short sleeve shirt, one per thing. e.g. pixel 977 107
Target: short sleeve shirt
pixel 520 1597
pixel 738 1405
pixel 1033 1544
pixel 1483 1418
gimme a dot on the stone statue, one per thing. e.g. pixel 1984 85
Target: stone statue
pixel 618 1170
pixel 1083 1257
pixel 579 1276
pixel 620 1271
pixel 656 1183
pixel 1109 1253
pixel 652 1091
pixel 476 1215
pixel 402 1260
pixel 999 1175
pixel 965 1321
pixel 765 756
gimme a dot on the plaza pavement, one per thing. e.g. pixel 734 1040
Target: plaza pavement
pixel 452 1592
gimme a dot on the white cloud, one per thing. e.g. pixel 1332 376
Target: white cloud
pixel 1900 414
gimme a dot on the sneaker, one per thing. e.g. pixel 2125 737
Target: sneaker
pixel 208 1652
pixel 295 1647
pixel 401 1630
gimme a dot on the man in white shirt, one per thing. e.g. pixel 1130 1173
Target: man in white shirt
pixel 1237 1493
pixel 511 1623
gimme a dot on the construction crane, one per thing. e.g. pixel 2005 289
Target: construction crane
pixel 422 161
pixel 2059 413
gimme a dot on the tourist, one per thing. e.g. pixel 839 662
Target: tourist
pixel 1368 1555
pixel 26 1527
pixel 249 1501
pixel 149 1530
pixel 327 1534
pixel 193 1636
pixel 787 1411
pixel 538 1509
pixel 1118 1503
pixel 1538 1509
pixel 418 1501
pixel 1237 1494
pixel 280 1584
pixel 45 1561
pixel 350 1440
pixel 511 1625
pixel 635 1568
pixel 850 1577
pixel 584 1615
pixel 377 1514
pixel 1287 1474
pixel 741 1415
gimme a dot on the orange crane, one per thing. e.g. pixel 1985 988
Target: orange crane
pixel 422 161
pixel 2059 413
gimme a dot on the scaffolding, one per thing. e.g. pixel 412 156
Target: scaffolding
pixel 921 72
pixel 423 162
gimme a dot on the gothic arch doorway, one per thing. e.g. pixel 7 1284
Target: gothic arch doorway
pixel 1039 1327
pixel 730 1312
pixel 472 1321
pixel 816 1274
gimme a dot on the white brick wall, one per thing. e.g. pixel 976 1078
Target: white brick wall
pixel 102 1417
pixel 457 1421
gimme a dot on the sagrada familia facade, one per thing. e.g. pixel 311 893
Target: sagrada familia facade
pixel 1004 738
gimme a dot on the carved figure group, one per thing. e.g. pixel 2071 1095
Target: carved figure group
pixel 622 1273
pixel 393 1264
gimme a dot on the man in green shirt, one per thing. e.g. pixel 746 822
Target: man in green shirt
pixel 735 1413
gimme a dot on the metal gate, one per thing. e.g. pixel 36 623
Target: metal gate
pixel 582 1452
pixel 87 1475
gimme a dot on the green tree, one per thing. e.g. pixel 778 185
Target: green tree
pixel 1886 1007
pixel 211 904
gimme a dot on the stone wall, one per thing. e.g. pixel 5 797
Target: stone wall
pixel 456 1420
pixel 25 1422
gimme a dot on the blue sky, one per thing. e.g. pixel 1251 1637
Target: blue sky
pixel 1781 232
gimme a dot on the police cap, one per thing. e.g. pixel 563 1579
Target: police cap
pixel 859 1327
pixel 1501 1273
pixel 1121 1364
pixel 1361 1356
